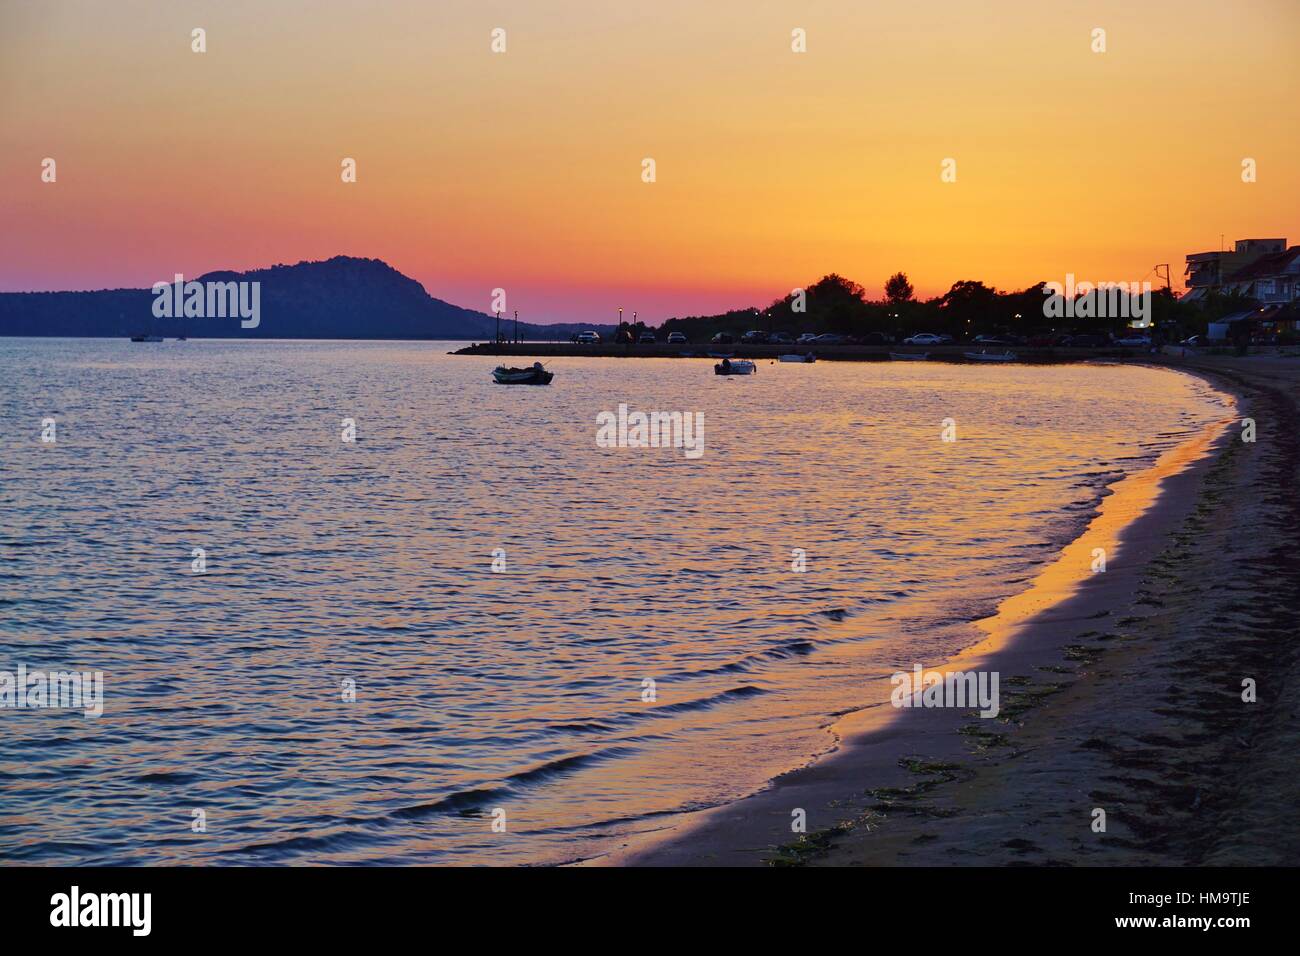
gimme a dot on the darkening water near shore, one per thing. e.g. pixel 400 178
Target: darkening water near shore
pixel 369 564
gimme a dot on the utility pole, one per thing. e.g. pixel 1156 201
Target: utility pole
pixel 516 326
pixel 497 340
pixel 1168 285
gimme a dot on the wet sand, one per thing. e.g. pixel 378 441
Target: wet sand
pixel 1120 691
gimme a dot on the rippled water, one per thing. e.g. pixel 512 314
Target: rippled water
pixel 371 562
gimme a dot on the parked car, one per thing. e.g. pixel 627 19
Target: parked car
pixel 829 338
pixel 924 338
pixel 723 338
pixel 676 338
pixel 1194 341
pixel 646 338
pixel 1086 340
pixel 807 337
pixel 992 340
pixel 754 337
pixel 1051 339
pixel 588 338
pixel 1134 341
pixel 780 338
pixel 877 338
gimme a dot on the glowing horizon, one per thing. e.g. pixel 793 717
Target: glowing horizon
pixel 522 170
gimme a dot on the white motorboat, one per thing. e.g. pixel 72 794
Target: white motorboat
pixel 736 367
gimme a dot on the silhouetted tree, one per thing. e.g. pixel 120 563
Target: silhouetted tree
pixel 965 305
pixel 898 290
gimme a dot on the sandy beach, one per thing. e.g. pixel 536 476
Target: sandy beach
pixel 1120 691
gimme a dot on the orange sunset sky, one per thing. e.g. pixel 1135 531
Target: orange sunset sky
pixel 522 170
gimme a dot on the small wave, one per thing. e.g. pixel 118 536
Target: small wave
pixel 469 801
pixel 784 651
pixel 167 777
pixel 704 703
pixel 343 840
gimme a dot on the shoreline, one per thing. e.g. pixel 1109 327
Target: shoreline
pixel 1083 726
pixel 955 353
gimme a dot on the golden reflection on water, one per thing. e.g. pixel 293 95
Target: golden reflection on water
pixel 1128 500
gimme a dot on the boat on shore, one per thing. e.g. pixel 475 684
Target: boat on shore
pixel 806 357
pixel 909 356
pixel 146 338
pixel 535 374
pixel 987 356
pixel 738 367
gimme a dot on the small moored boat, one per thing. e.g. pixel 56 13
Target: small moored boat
pixel 909 356
pixel 535 375
pixel 738 367
pixel 806 357
pixel 987 356
pixel 146 338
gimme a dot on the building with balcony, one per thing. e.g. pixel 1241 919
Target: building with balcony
pixel 1224 270
pixel 1273 279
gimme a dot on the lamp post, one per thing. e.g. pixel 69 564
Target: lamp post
pixel 516 326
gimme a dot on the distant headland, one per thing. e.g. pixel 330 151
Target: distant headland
pixel 340 298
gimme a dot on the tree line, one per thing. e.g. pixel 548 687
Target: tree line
pixel 839 305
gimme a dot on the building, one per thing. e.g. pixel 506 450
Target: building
pixel 1224 271
pixel 1273 279
pixel 1264 272
pixel 1265 322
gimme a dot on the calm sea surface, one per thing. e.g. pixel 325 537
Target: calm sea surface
pixel 370 565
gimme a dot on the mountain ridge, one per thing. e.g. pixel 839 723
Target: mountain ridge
pixel 343 297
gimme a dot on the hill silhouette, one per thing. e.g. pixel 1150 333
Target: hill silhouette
pixel 340 298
